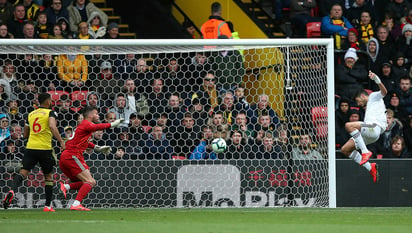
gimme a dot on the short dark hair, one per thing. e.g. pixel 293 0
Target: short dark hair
pixel 86 110
pixel 360 92
pixel 43 97
pixel 216 7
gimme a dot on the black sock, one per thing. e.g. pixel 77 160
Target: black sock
pixel 48 189
pixel 17 181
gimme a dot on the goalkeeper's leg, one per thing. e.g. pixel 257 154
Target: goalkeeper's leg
pixel 88 184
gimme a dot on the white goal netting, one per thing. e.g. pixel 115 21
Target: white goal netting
pixel 267 98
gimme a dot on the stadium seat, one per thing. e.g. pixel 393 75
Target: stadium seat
pixel 79 99
pixel 320 121
pixel 314 12
pixel 56 95
pixel 313 29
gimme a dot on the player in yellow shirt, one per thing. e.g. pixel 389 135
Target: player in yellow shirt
pixel 40 128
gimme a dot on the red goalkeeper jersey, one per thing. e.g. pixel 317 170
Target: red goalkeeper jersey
pixel 80 140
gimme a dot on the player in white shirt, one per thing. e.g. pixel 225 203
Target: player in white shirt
pixel 368 131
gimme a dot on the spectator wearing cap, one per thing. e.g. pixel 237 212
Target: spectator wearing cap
pixel 105 82
pixel 404 43
pixel 388 78
pixel 350 76
pixel 112 31
pixel 352 41
pixel 394 104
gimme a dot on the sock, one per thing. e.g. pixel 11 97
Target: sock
pixel 84 190
pixel 359 141
pixel 76 185
pixel 17 181
pixel 76 203
pixel 357 157
pixel 48 189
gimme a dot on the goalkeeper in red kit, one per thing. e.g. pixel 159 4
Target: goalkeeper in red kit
pixel 72 161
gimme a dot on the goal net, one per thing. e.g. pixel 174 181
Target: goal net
pixel 271 101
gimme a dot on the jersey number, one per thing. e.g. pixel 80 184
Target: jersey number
pixel 36 126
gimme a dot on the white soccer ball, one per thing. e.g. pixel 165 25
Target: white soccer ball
pixel 219 145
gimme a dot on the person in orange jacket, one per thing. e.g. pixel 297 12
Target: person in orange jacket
pixel 216 25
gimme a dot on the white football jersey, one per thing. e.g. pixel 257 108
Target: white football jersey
pixel 376 110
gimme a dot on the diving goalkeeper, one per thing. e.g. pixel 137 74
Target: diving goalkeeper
pixel 72 161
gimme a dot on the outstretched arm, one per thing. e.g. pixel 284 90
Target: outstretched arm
pixel 378 82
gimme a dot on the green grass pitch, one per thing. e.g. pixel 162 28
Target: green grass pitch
pixel 209 220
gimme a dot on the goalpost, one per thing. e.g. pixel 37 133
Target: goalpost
pixel 297 76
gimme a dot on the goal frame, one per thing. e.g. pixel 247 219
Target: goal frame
pixel 158 43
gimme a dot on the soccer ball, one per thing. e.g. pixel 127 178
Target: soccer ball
pixel 219 145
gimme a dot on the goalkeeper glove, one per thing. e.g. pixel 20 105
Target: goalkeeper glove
pixel 103 149
pixel 116 123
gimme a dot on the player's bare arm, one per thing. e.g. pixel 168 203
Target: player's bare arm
pixel 378 82
pixel 55 132
pixel 26 131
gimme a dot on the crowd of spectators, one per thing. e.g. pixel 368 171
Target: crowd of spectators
pixel 166 115
pixel 375 36
pixel 55 19
pixel 175 104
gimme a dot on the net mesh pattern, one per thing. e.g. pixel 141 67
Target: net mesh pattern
pixel 267 102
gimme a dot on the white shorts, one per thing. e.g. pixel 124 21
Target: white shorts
pixel 370 135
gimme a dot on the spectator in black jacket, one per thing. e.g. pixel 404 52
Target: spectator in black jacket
pixel 350 76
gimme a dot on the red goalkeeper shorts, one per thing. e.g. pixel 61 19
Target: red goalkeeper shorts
pixel 72 165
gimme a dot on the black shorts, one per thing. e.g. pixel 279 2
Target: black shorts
pixel 45 158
